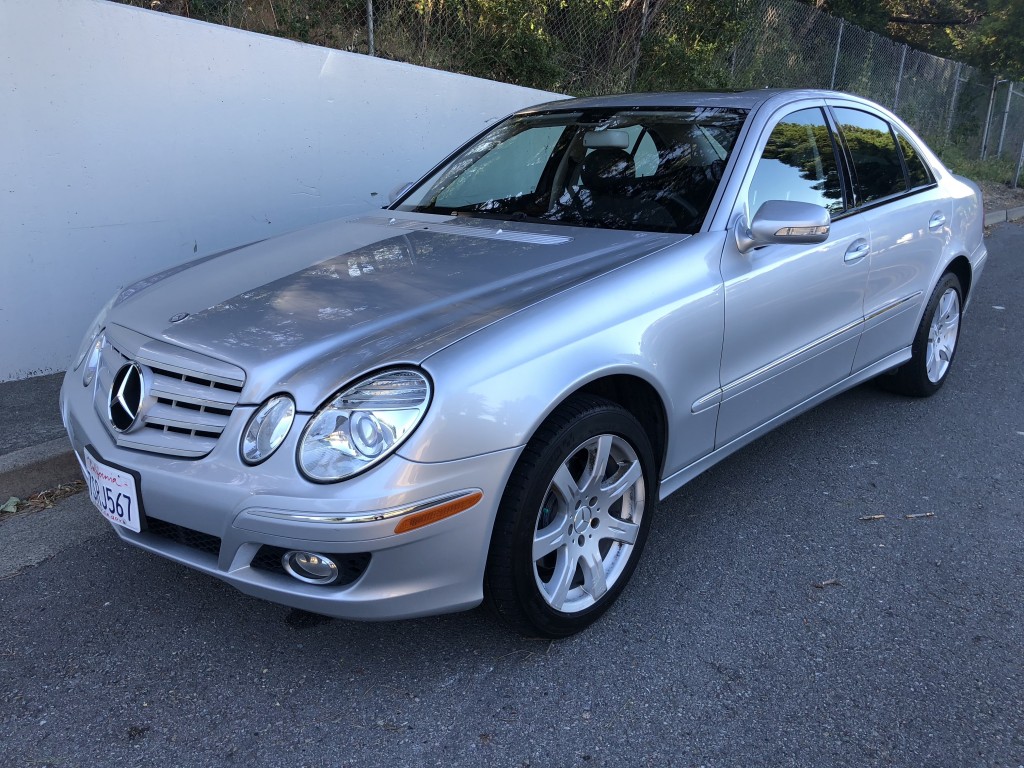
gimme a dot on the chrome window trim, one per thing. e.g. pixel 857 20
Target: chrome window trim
pixel 863 207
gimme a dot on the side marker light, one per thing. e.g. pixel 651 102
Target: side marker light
pixel 438 513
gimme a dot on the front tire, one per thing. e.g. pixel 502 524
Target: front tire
pixel 573 520
pixel 934 344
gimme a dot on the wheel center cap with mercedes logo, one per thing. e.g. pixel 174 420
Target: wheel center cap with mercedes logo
pixel 127 395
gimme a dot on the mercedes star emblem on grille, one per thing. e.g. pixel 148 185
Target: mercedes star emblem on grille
pixel 127 394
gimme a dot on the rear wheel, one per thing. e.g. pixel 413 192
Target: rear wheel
pixel 934 345
pixel 573 520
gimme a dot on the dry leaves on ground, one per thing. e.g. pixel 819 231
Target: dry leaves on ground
pixel 43 499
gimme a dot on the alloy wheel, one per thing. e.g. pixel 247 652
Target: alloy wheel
pixel 942 335
pixel 588 523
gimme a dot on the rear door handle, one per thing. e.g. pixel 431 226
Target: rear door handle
pixel 858 250
pixel 936 221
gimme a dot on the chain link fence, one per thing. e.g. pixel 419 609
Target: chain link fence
pixel 952 105
pixel 584 47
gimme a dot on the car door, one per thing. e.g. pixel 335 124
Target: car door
pixel 896 196
pixel 793 313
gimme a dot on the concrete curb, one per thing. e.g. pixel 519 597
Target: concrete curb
pixel 37 468
pixel 998 217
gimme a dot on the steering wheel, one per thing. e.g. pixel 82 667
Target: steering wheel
pixel 682 210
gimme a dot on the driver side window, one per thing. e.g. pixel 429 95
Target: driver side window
pixel 798 163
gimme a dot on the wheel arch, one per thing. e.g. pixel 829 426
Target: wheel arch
pixel 961 267
pixel 633 393
pixel 512 584
pixel 640 398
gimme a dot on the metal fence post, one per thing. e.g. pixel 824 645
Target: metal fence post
pixel 735 48
pixel 899 78
pixel 835 64
pixel 952 103
pixel 988 117
pixel 639 43
pixel 1006 116
pixel 369 24
pixel 1020 162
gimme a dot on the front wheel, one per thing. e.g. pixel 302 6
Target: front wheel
pixel 573 520
pixel 934 344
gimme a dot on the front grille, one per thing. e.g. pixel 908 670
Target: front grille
pixel 189 396
pixel 350 565
pixel 187 537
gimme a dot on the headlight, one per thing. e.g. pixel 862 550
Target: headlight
pixel 267 429
pixel 93 360
pixel 363 424
pixel 94 330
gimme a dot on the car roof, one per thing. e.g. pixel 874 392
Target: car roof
pixel 748 100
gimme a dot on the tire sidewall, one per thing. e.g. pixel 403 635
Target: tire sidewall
pixel 920 348
pixel 601 419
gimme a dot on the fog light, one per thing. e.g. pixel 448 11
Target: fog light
pixel 310 567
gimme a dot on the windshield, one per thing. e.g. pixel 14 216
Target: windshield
pixel 654 170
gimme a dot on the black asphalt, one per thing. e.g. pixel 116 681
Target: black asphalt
pixel 30 414
pixel 767 625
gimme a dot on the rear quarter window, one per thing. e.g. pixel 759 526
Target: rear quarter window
pixel 918 172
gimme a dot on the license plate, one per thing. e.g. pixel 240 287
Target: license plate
pixel 114 492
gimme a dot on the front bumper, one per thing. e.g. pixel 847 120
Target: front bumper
pixel 218 516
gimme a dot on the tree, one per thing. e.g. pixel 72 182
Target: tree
pixel 984 33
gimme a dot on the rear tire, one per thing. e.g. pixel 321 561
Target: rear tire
pixel 934 344
pixel 572 521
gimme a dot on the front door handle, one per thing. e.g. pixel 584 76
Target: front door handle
pixel 858 250
pixel 936 221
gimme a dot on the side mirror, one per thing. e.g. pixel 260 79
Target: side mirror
pixel 783 221
pixel 398 191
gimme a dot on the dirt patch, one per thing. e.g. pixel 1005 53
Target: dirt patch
pixel 1000 197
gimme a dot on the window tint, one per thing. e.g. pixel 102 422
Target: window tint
pixel 919 174
pixel 876 160
pixel 798 163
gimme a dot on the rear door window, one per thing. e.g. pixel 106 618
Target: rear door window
pixel 877 166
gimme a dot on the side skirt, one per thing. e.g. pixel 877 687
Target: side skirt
pixel 677 480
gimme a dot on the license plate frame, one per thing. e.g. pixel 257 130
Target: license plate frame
pixel 114 491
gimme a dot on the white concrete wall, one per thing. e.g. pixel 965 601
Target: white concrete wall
pixel 131 141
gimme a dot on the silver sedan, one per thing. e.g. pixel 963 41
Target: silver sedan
pixel 481 392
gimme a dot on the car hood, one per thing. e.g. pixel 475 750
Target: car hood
pixel 305 312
